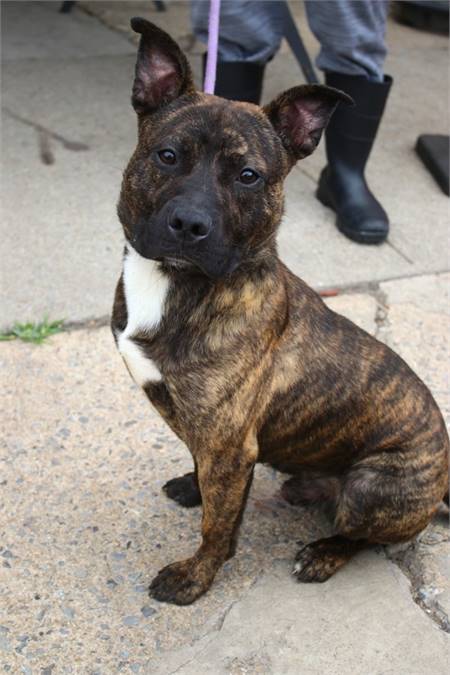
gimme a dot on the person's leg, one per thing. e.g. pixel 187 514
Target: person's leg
pixel 351 35
pixel 250 33
pixel 352 56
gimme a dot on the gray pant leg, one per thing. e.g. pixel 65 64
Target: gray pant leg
pixel 351 34
pixel 249 30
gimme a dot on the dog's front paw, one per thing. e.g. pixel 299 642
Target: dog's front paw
pixel 182 582
pixel 184 490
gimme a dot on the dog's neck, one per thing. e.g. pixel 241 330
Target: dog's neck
pixel 262 261
pixel 152 289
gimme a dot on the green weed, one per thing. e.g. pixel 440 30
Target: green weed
pixel 33 332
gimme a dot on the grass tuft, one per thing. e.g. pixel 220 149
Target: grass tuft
pixel 33 332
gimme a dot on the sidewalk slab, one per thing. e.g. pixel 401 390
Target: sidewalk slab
pixel 418 328
pixel 84 456
pixel 314 249
pixel 429 293
pixel 358 307
pixel 88 526
pixel 37 30
pixel 306 630
pixel 61 241
pixel 418 242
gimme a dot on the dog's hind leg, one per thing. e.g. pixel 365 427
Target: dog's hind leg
pixel 388 498
pixel 184 490
pixel 311 488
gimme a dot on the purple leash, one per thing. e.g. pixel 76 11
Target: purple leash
pixel 213 46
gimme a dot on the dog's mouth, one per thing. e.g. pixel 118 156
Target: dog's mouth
pixel 213 267
pixel 214 261
pixel 176 263
pixel 173 263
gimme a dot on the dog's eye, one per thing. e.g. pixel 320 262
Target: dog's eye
pixel 167 156
pixel 248 176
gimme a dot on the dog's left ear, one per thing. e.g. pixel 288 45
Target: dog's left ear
pixel 300 115
pixel 162 70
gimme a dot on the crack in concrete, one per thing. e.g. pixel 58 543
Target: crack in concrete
pixel 215 630
pixel 87 324
pixel 222 619
pixel 426 601
pixel 219 625
pixel 44 136
pixel 371 288
pixel 188 42
pixel 429 604
pixel 416 577
pixel 381 314
pixel 399 252
pixel 194 657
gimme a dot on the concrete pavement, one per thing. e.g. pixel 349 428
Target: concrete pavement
pixel 84 525
pixel 61 241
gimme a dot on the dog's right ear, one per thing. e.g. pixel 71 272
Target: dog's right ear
pixel 162 71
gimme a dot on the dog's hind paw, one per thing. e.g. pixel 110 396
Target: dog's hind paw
pixel 184 490
pixel 319 560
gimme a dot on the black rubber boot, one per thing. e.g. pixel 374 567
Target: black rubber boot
pixel 239 80
pixel 349 139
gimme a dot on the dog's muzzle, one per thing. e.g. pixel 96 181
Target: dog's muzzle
pixel 183 233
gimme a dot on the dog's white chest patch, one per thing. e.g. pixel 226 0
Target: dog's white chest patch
pixel 145 288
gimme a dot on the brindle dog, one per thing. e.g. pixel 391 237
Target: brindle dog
pixel 245 362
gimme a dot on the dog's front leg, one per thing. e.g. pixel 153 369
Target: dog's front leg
pixel 224 476
pixel 160 398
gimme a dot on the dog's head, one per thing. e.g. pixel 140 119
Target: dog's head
pixel 204 187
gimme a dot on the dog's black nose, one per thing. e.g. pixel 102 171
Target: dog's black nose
pixel 190 224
